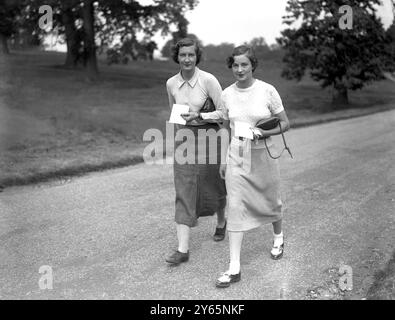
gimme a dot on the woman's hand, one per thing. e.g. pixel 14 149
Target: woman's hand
pixel 259 133
pixel 192 115
pixel 222 170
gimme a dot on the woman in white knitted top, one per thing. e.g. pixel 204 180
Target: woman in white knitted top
pixel 252 177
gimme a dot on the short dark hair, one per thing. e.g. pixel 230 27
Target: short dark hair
pixel 186 42
pixel 244 49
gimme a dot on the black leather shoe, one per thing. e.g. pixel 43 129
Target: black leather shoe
pixel 226 279
pixel 219 234
pixel 178 257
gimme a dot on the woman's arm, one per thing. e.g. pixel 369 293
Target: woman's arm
pixel 225 139
pixel 284 126
pixel 170 96
pixel 214 91
pixel 277 109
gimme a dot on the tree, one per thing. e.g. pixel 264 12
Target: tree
pixel 131 49
pixel 67 20
pixel 391 34
pixel 182 32
pixel 260 46
pixel 91 25
pixel 218 52
pixel 89 39
pixel 9 10
pixel 160 16
pixel 258 42
pixel 344 59
pixel 69 13
pixel 150 47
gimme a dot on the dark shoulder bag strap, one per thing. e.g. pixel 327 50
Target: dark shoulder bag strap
pixel 285 145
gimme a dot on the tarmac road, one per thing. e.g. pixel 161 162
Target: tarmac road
pixel 106 235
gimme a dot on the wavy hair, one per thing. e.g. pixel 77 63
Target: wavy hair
pixel 186 42
pixel 240 50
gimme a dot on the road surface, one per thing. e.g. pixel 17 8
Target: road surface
pixel 106 235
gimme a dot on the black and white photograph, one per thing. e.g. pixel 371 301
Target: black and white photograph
pixel 210 152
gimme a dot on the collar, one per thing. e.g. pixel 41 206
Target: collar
pixel 192 82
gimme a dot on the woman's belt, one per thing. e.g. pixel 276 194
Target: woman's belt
pixel 202 125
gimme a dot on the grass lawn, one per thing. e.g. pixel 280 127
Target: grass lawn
pixel 53 122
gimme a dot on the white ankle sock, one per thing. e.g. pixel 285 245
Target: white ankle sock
pixel 278 239
pixel 234 267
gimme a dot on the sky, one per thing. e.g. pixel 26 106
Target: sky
pixel 238 21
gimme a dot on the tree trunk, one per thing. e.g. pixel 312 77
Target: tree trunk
pixel 339 96
pixel 70 30
pixel 3 44
pixel 89 41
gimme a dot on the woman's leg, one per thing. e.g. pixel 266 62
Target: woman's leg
pixel 235 241
pixel 182 254
pixel 183 232
pixel 277 226
pixel 233 273
pixel 221 218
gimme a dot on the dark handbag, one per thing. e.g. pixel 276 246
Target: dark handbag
pixel 269 124
pixel 208 106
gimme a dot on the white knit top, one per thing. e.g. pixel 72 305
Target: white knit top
pixel 259 101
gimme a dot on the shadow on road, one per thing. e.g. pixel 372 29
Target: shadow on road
pixel 383 287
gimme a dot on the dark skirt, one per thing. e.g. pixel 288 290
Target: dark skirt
pixel 200 191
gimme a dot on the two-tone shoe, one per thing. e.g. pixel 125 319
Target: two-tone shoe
pixel 277 252
pixel 226 279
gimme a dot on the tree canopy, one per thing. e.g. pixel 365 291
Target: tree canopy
pixel 166 50
pixel 90 25
pixel 9 10
pixel 338 57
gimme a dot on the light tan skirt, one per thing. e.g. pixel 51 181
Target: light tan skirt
pixel 253 187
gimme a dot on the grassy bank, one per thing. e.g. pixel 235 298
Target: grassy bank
pixel 54 123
